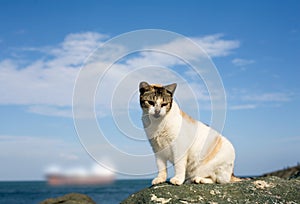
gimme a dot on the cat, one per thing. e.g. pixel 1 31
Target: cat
pixel 199 153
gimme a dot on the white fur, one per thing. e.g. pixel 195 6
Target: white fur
pixel 191 146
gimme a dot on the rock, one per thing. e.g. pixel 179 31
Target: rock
pixel 259 190
pixel 287 173
pixel 72 198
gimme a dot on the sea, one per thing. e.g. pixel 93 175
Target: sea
pixel 31 192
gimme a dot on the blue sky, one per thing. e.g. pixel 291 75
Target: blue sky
pixel 254 45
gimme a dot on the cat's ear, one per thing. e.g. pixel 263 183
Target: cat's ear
pixel 171 88
pixel 144 86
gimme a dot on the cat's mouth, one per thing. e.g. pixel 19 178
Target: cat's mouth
pixel 156 115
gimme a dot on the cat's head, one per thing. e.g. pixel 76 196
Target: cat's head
pixel 156 100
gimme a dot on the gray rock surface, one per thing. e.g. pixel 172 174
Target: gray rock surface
pixel 289 172
pixel 259 190
pixel 72 198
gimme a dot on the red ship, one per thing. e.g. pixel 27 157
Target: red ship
pixel 98 176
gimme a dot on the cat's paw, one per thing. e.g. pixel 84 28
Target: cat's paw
pixel 176 181
pixel 158 180
pixel 199 179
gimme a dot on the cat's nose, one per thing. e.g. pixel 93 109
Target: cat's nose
pixel 157 111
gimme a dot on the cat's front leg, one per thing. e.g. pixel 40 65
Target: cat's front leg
pixel 180 167
pixel 162 171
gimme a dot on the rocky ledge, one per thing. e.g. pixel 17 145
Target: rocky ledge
pixel 260 190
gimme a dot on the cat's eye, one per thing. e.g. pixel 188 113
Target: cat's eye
pixel 164 104
pixel 151 103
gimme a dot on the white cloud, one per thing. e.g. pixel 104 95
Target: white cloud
pixel 215 46
pixel 240 99
pixel 65 111
pixel 36 84
pixel 242 106
pixel 46 84
pixel 242 62
pixel 180 50
pixel 268 97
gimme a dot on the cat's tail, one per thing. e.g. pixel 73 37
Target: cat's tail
pixel 237 179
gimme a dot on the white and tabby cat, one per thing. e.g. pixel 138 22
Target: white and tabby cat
pixel 199 153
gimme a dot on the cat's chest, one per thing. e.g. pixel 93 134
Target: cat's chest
pixel 161 139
